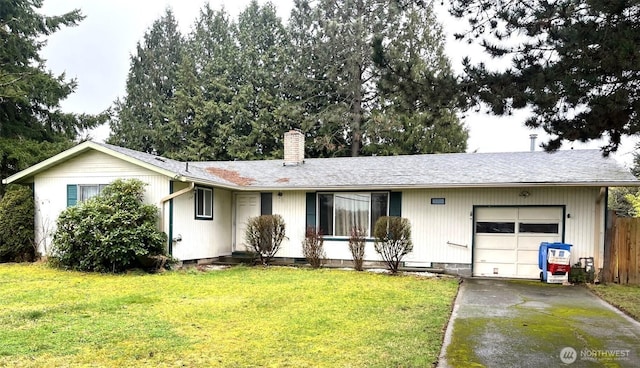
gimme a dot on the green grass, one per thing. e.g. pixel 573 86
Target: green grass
pixel 240 317
pixel 624 297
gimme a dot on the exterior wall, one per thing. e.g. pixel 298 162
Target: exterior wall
pixel 435 226
pixel 50 187
pixel 200 238
pixel 443 234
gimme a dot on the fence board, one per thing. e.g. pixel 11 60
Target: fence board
pixel 623 253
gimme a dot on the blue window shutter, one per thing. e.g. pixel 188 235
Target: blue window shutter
pixel 311 210
pixel 395 204
pixel 72 195
pixel 266 203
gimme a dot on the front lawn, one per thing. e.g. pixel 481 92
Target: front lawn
pixel 624 297
pixel 240 317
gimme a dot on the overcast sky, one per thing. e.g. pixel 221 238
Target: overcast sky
pixel 97 52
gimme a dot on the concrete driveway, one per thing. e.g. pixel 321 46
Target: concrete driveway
pixel 513 323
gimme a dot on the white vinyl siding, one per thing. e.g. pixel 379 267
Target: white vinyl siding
pixel 445 233
pixel 90 168
pixel 201 239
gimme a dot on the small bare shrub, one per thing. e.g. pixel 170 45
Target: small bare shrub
pixel 356 246
pixel 264 236
pixel 392 240
pixel 313 247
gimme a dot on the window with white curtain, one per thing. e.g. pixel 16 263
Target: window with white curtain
pixel 86 191
pixel 339 213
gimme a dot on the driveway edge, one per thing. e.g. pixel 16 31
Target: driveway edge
pixel 442 358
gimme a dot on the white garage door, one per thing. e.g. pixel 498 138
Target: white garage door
pixel 507 239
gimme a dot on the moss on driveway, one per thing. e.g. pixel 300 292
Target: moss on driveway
pixel 498 323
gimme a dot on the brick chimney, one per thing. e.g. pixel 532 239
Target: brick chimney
pixel 293 148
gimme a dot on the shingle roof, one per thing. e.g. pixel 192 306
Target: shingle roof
pixel 571 167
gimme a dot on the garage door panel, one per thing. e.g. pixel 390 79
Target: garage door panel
pixel 494 242
pixel 533 242
pixel 496 213
pixel 539 213
pixel 496 256
pixel 527 256
pixel 495 269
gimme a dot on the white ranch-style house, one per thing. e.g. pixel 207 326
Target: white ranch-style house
pixel 479 214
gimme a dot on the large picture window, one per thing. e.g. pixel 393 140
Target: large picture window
pixel 341 212
pixel 204 203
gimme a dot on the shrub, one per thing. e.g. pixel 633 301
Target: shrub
pixel 313 247
pixel 356 246
pixel 392 240
pixel 17 225
pixel 264 235
pixel 111 232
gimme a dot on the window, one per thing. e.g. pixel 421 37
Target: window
pixel 204 203
pixel 495 227
pixel 88 191
pixel 539 228
pixel 437 201
pixel 341 212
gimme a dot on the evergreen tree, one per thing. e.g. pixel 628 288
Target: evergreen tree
pixel 31 121
pixel 576 64
pixel 143 115
pixel 347 51
pixel 419 97
pixel 257 127
pixel 207 83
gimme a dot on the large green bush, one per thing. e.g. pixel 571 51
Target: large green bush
pixel 392 240
pixel 16 225
pixel 111 232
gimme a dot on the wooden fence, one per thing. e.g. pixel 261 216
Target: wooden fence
pixel 622 250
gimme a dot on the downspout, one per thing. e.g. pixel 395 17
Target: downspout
pixel 164 200
pixel 599 231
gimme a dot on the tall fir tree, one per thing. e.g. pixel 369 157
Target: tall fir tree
pixel 419 101
pixel 257 125
pixel 202 108
pixel 347 102
pixel 32 124
pixel 143 115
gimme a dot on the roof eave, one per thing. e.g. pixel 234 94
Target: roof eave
pixel 439 186
pixel 75 151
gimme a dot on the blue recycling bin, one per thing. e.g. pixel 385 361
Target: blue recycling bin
pixel 554 261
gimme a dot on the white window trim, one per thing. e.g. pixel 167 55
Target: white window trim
pixel 198 214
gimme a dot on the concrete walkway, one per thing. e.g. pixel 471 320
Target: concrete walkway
pixel 513 323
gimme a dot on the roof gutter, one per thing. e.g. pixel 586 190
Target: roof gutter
pixel 436 186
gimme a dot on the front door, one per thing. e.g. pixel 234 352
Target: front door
pixel 247 206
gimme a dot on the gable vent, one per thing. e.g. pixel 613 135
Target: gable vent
pixel 293 148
